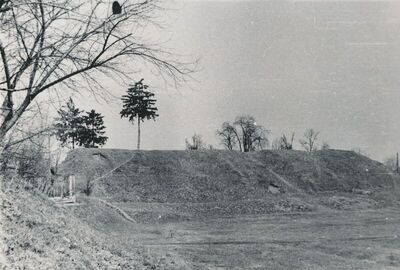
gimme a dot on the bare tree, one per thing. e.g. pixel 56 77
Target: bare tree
pixel 310 137
pixel 228 136
pixel 196 144
pixel 69 44
pixel 252 136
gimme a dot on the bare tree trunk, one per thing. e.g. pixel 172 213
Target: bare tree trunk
pixel 239 141
pixel 138 134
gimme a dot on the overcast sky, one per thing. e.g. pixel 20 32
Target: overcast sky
pixel 329 65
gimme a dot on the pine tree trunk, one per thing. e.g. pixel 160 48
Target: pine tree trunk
pixel 138 134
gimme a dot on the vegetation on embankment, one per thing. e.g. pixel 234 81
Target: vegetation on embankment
pixel 41 235
pixel 215 175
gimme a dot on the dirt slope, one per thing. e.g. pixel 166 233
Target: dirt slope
pixel 204 176
pixel 40 235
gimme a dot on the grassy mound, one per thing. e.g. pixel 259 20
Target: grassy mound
pixel 211 176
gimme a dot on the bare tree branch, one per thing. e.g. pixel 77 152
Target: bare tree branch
pixel 71 43
pixel 29 137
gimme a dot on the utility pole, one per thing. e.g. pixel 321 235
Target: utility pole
pixel 397 162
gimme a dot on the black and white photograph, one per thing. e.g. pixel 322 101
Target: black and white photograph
pixel 199 134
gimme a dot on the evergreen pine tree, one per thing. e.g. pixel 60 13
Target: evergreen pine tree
pixel 69 124
pixel 138 105
pixel 93 130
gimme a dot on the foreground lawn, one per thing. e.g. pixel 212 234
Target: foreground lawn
pixel 322 239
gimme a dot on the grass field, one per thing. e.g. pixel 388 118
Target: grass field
pixel 219 210
pixel 319 239
pixel 93 235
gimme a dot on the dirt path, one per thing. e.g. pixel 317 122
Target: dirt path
pixel 283 180
pixel 116 168
pixel 119 210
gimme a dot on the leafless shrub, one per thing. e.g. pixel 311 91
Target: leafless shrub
pixel 228 136
pixel 283 143
pixel 310 138
pixel 196 144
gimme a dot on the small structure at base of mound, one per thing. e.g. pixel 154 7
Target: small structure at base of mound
pixel 60 194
